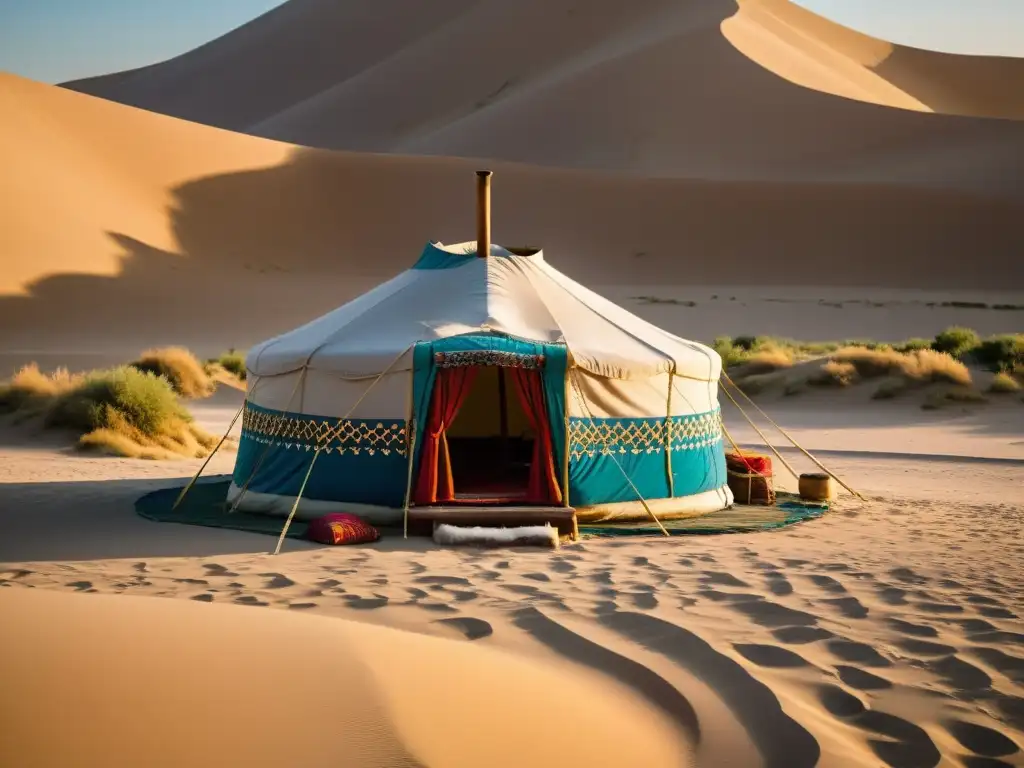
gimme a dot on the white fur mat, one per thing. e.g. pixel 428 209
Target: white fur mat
pixel 523 536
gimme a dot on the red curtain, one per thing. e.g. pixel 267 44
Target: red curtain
pixel 435 482
pixel 544 486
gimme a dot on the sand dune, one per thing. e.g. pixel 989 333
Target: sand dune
pixel 886 633
pixel 120 229
pixel 740 93
pixel 175 684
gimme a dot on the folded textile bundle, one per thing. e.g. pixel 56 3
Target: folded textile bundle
pixel 750 478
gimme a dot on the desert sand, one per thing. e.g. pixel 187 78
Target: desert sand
pixel 792 178
pixel 886 633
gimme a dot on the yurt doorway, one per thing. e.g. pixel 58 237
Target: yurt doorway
pixel 487 439
pixel 490 442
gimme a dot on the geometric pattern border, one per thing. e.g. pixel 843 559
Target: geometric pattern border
pixel 341 436
pixel 488 357
pixel 605 437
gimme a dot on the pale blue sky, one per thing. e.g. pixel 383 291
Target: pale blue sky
pixel 55 40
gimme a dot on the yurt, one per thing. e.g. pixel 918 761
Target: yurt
pixel 481 376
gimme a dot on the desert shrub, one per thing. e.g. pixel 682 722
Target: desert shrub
pixel 956 341
pixel 922 366
pixel 122 410
pixel 768 359
pixel 30 388
pixel 1003 353
pixel 913 345
pixel 120 396
pixel 180 367
pixel 233 362
pixel 1004 383
pixel 834 374
pixel 730 353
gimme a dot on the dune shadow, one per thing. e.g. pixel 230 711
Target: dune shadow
pixel 267 249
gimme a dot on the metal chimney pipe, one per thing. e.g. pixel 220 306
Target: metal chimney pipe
pixel 483 214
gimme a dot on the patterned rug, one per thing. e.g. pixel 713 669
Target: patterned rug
pixel 205 505
pixel 788 510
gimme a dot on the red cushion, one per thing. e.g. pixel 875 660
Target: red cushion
pixel 341 528
pixel 753 463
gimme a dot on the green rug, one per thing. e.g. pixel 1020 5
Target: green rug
pixel 206 505
pixel 789 509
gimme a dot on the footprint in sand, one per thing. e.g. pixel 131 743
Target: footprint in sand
pixel 562 566
pixel 537 576
pixel 462 596
pixel 434 607
pixel 770 656
pixel 645 601
pixel 444 580
pixel 1010 666
pixel 197 582
pixel 469 627
pixel 301 606
pixel 925 648
pixel 769 614
pixel 982 600
pixel 365 603
pixel 892 595
pixel 917 630
pixel 722 580
pixel 857 653
pixel 204 598
pixel 981 740
pixel 850 607
pixel 930 607
pixel 861 679
pixel 996 613
pixel 277 581
pixel 838 702
pixel 907 576
pixel 906 744
pixel 249 600
pixel 140 567
pixel 835 567
pixel 828 584
pixel 216 569
pixel 778 584
pixel 80 586
pixel 801 635
pixel 601 577
pixel 961 675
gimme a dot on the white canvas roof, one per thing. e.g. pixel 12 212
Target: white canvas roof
pixel 521 296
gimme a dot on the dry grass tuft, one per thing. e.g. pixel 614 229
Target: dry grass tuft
pixel 30 389
pixel 768 360
pixel 834 374
pixel 123 411
pixel 1003 384
pixel 921 366
pixel 180 367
